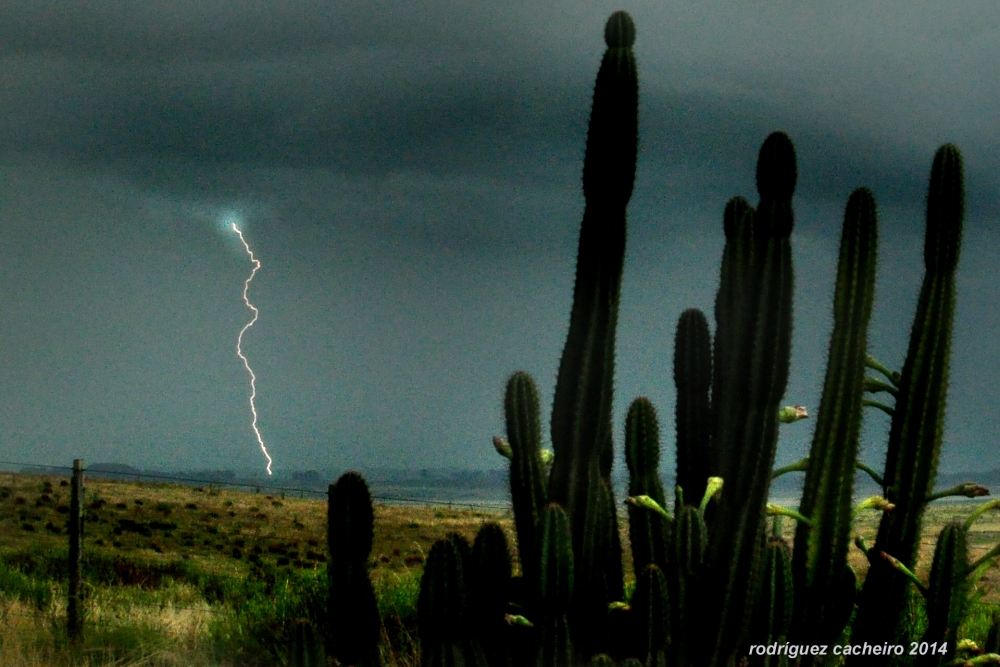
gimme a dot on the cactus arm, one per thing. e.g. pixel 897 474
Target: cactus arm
pixel 798 466
pixel 900 567
pixel 864 467
pixel 891 375
pixel 965 489
pixel 874 386
pixel 986 557
pixel 979 511
pixel 871 403
pixel 778 510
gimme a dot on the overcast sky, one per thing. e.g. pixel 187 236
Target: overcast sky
pixel 409 176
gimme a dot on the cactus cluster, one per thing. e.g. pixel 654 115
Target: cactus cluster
pixel 711 579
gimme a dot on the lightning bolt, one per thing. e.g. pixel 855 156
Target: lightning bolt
pixel 239 344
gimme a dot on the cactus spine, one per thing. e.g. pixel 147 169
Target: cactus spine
pixel 827 497
pixel 918 421
pixel 647 530
pixel 353 610
pixel 693 379
pixel 753 348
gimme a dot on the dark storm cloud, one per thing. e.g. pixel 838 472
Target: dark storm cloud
pixel 412 172
pixel 450 89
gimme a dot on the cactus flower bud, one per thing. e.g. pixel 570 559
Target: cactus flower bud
pixel 503 448
pixel 874 502
pixel 774 510
pixel 712 489
pixel 646 502
pixel 792 413
pixel 518 620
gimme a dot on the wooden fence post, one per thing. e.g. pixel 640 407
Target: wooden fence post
pixel 74 619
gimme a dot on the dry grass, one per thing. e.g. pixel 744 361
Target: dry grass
pixel 148 529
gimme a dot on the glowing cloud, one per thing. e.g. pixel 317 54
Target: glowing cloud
pixel 239 344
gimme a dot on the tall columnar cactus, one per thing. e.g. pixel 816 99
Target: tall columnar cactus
pixel 555 588
pixel 773 615
pixel 918 420
pixel 689 539
pixel 651 610
pixel 442 611
pixel 581 409
pixel 947 592
pixel 752 351
pixel 827 497
pixel 527 481
pixel 693 379
pixel 647 530
pixel 354 621
pixel 489 589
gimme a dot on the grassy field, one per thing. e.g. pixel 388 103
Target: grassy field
pixel 176 575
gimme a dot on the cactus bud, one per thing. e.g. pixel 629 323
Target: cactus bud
pixel 792 413
pixel 647 503
pixel 712 489
pixel 503 448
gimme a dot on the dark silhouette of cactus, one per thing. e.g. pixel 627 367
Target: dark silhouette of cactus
pixel 489 591
pixel 947 592
pixel 651 610
pixel 688 541
pixel 581 412
pixel 827 497
pixel 918 419
pixel 773 615
pixel 693 379
pixel 354 621
pixel 647 530
pixel 442 610
pixel 556 588
pixel 527 480
pixel 752 351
